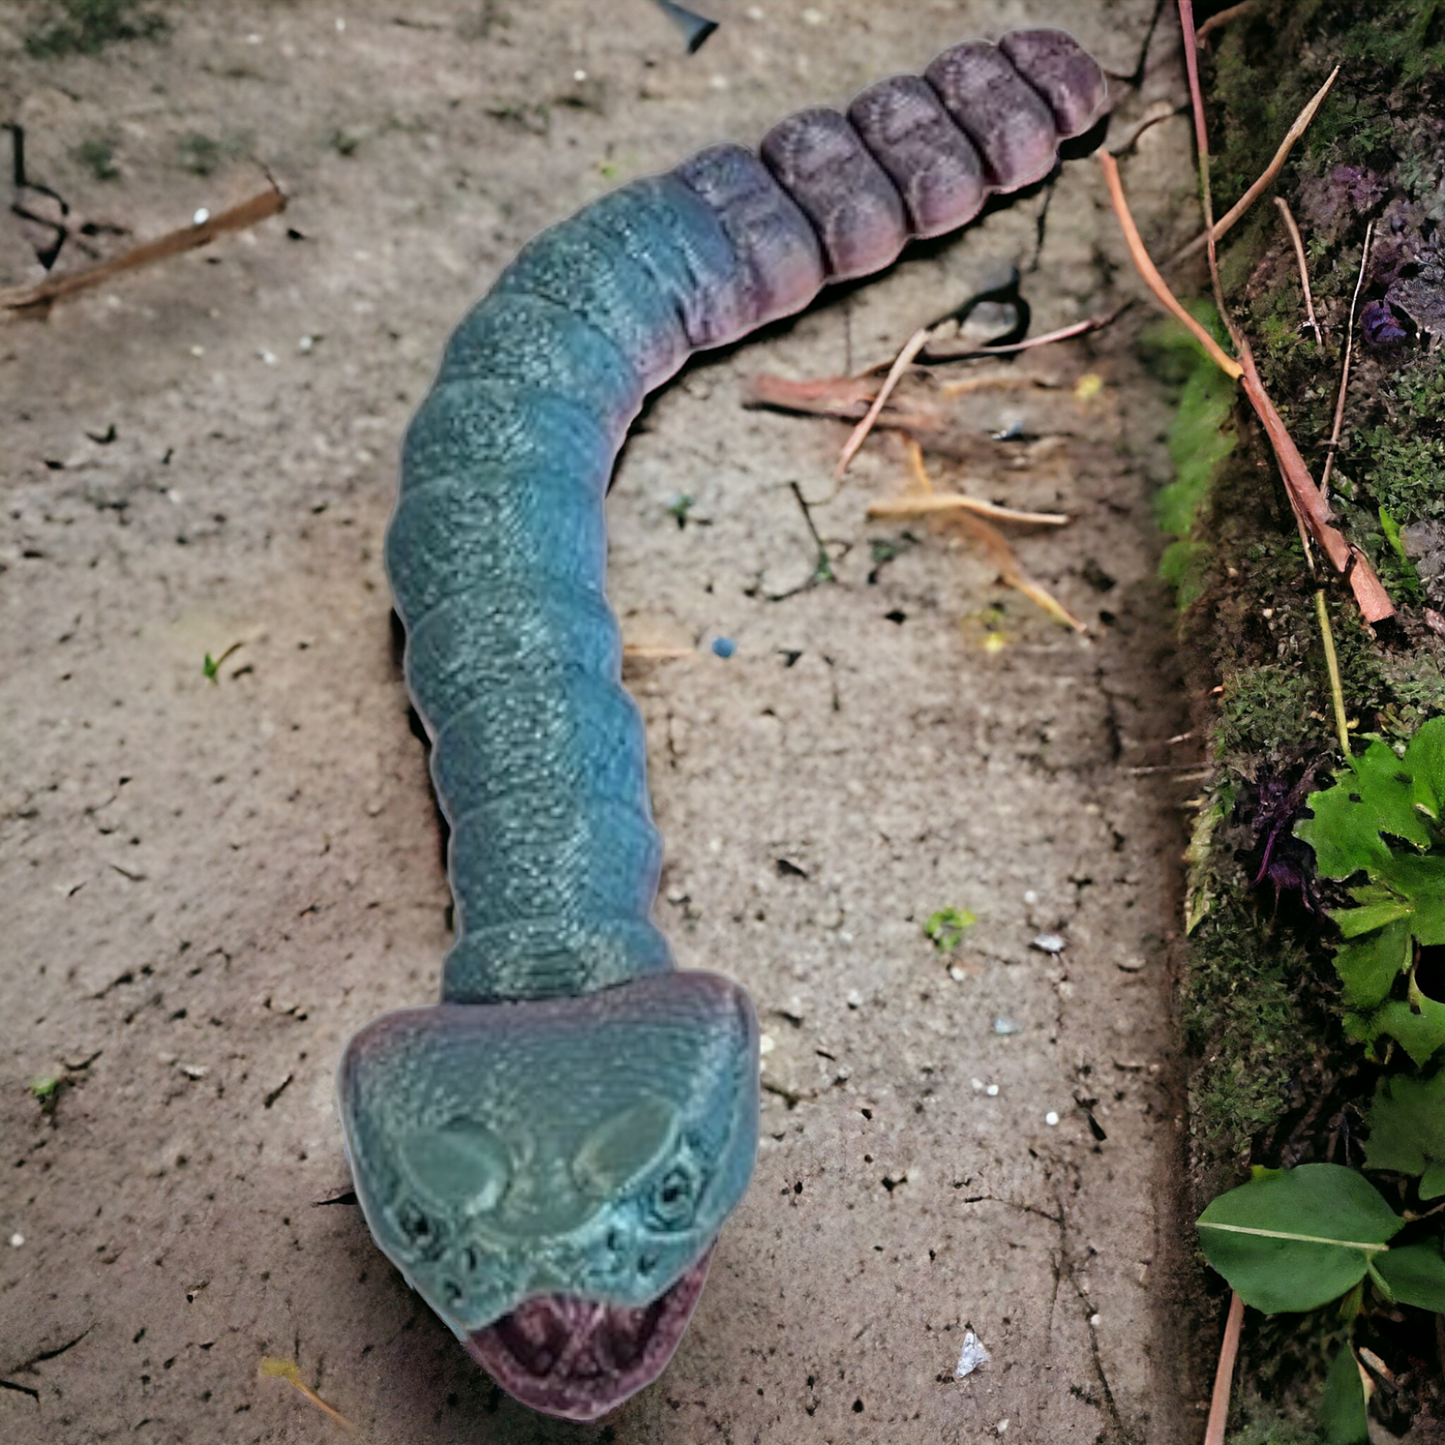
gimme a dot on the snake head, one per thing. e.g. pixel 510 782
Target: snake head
pixel 551 1175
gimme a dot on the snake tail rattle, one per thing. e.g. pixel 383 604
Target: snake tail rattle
pixel 549 1153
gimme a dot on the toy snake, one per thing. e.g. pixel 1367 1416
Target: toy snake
pixel 549 1153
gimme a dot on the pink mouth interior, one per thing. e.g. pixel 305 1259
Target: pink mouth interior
pixel 579 1358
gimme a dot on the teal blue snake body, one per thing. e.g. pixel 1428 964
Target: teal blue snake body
pixel 549 1154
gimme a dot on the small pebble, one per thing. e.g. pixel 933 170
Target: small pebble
pixel 194 1071
pixel 956 973
pixel 1005 1026
pixel 1001 1427
pixel 724 646
pixel 1031 896
pixel 16 1240
pixel 766 1044
pixel 201 217
pixel 992 1091
pixel 855 999
pixel 977 1085
pixel 579 75
pixel 1095 1321
pixel 306 343
pixel 1131 965
pixel 1048 943
pixel 268 357
pixel 1051 1118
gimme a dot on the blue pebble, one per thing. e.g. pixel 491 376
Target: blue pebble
pixel 724 646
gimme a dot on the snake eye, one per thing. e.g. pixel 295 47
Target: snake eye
pixel 461 1166
pixel 623 1147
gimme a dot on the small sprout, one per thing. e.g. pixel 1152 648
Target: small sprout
pixel 342 142
pixel 947 927
pixel 678 507
pixel 96 156
pixel 211 667
pixel 46 1091
pixel 199 153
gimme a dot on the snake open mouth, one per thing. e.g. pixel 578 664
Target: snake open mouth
pixel 579 1358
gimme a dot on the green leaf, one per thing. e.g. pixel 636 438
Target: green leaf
pixel 1407 1127
pixel 1373 795
pixel 1369 967
pixel 1293 1241
pixel 1432 1182
pixel 1416 1274
pixel 1418 1026
pixel 1342 1405
pixel 1425 759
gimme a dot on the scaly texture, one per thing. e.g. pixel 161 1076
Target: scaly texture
pixel 549 1154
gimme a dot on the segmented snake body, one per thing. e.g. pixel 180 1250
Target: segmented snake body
pixel 548 1155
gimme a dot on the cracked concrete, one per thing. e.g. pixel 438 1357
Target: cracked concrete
pixel 209 884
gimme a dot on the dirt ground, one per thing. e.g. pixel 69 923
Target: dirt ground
pixel 208 884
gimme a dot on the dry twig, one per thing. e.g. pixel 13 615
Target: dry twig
pixel 1297 241
pixel 904 360
pixel 993 542
pixel 1226 222
pixel 936 503
pixel 173 243
pixel 1215 22
pixel 288 1371
pixel 1151 275
pixel 1224 1374
pixel 1334 445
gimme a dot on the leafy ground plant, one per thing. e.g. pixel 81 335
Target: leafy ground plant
pixel 1381 822
pixel 1291 1241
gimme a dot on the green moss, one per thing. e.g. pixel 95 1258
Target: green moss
pixel 1199 440
pixel 1243 1020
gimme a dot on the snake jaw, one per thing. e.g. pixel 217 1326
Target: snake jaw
pixel 578 1358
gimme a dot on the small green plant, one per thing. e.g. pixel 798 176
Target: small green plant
pixel 84 27
pixel 343 142
pixel 947 927
pixel 1294 1240
pixel 46 1092
pixel 200 154
pixel 1383 819
pixel 98 158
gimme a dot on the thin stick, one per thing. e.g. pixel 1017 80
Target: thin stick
pixel 1334 445
pixel 1224 1374
pixel 1332 662
pixel 1152 278
pixel 969 384
pixel 1223 18
pixel 957 502
pixel 913 346
pixel 1226 222
pixel 173 243
pixel 288 1371
pixel 1297 240
pixel 1078 328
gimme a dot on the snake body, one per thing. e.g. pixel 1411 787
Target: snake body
pixel 549 1153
